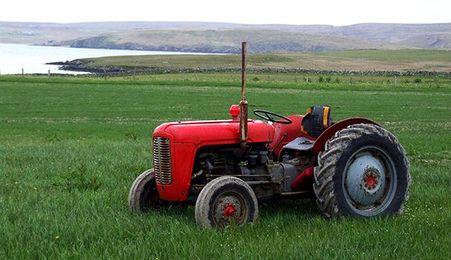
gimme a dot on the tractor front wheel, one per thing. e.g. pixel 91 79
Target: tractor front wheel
pixel 143 194
pixel 224 201
pixel 362 172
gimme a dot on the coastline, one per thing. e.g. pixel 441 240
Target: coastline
pixel 85 65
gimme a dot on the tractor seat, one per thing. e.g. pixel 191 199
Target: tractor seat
pixel 316 120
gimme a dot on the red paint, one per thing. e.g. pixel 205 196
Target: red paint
pixel 216 132
pixel 183 155
pixel 370 181
pixel 318 146
pixel 229 210
pixel 234 111
pixel 303 181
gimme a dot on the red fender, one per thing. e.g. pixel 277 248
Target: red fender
pixel 318 146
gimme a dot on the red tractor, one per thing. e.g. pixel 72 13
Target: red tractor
pixel 353 167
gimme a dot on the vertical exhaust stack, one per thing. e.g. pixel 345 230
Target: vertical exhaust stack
pixel 243 102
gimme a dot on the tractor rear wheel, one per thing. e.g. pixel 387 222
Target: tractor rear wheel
pixel 224 201
pixel 362 172
pixel 143 194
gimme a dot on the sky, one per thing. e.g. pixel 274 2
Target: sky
pixel 338 12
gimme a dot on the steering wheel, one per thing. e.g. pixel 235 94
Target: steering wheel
pixel 272 117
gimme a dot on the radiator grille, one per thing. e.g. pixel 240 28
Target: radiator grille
pixel 162 160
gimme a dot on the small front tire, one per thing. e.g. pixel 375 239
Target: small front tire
pixel 143 194
pixel 225 201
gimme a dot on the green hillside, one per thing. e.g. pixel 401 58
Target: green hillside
pixel 357 60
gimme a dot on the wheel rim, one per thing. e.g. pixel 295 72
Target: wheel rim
pixel 229 208
pixel 369 181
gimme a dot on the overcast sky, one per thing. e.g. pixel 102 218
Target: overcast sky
pixel 335 12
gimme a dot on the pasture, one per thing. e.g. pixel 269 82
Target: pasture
pixel 404 60
pixel 70 148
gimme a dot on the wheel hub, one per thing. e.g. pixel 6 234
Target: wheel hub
pixel 229 207
pixel 371 179
pixel 229 210
pixel 365 180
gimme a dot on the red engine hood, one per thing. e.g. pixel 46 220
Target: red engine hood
pixel 215 132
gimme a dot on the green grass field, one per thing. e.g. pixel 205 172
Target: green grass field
pixel 70 147
pixel 355 60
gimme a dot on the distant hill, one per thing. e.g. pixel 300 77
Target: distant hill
pixel 223 41
pixel 401 35
pixel 225 37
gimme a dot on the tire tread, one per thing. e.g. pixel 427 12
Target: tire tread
pixel 323 186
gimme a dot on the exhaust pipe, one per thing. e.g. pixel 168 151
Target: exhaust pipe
pixel 243 102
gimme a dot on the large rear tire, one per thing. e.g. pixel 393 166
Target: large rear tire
pixel 363 172
pixel 143 194
pixel 225 201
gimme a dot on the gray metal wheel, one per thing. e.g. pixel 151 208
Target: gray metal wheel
pixel 369 181
pixel 224 201
pixel 143 194
pixel 362 172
